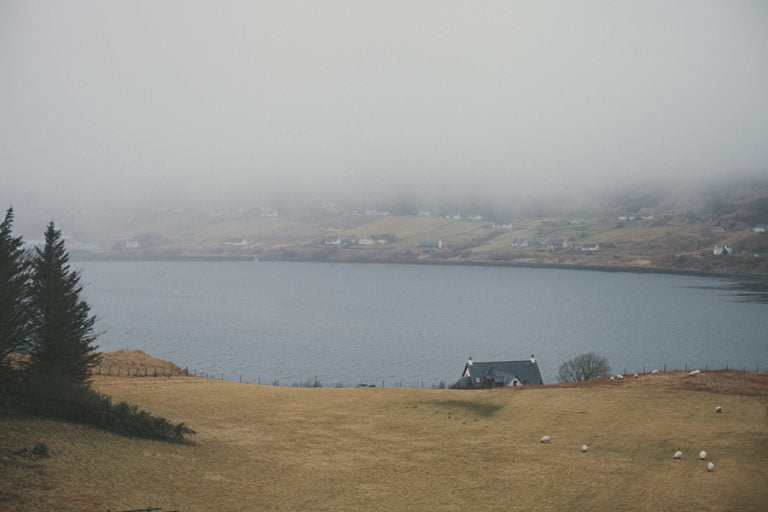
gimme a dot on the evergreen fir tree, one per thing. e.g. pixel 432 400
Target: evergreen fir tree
pixel 62 326
pixel 14 304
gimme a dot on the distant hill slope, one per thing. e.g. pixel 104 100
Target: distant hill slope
pixel 644 230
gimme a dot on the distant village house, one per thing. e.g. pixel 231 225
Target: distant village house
pixel 722 250
pixel 554 244
pixel 265 211
pixel 236 242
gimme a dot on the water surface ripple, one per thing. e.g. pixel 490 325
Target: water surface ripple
pixel 412 324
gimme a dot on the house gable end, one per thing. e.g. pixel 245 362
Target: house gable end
pixel 527 372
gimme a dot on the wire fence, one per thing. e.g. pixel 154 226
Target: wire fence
pixel 686 367
pixel 140 371
pixel 314 382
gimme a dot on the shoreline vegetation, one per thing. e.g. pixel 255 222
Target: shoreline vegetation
pixel 139 364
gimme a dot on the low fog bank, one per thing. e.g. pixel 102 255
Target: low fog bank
pixel 674 197
pixel 510 108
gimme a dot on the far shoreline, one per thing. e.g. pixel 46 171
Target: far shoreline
pixel 471 263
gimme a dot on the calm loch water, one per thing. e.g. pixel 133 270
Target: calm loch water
pixel 413 324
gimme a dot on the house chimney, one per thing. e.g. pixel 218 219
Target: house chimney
pixel 469 361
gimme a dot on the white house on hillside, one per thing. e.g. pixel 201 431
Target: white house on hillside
pixel 722 250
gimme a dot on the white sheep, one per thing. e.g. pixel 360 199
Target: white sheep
pixel 702 455
pixel 678 454
pixel 612 378
pixel 636 375
pixel 546 439
pixel 710 466
pixel 620 377
pixel 694 373
pixel 718 409
pixel 654 372
pixel 583 448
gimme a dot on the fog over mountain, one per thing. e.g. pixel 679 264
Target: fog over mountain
pixel 115 104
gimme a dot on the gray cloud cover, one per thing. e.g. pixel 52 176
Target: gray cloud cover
pixel 132 102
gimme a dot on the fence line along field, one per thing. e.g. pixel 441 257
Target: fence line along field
pixel 330 449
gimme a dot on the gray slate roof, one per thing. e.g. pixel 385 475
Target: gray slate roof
pixel 527 371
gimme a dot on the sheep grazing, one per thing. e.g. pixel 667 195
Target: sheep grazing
pixel 678 454
pixel 654 372
pixel 583 448
pixel 612 378
pixel 546 439
pixel 694 373
pixel 718 409
pixel 702 455
pixel 636 375
pixel 710 466
pixel 620 377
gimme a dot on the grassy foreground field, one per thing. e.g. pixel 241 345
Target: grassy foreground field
pixel 286 449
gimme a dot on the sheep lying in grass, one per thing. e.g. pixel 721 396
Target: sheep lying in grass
pixel 694 373
pixel 546 439
pixel 636 376
pixel 710 466
pixel 718 409
pixel 583 448
pixel 620 377
pixel 702 455
pixel 654 372
pixel 678 454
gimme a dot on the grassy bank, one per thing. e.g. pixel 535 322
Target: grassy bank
pixel 270 448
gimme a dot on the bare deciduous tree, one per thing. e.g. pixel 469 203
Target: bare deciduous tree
pixel 584 367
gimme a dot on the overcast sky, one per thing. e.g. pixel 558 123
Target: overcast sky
pixel 136 101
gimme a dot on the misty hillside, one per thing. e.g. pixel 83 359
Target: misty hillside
pixel 648 227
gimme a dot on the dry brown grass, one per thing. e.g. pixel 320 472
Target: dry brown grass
pixel 269 448
pixel 135 363
pixel 134 359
